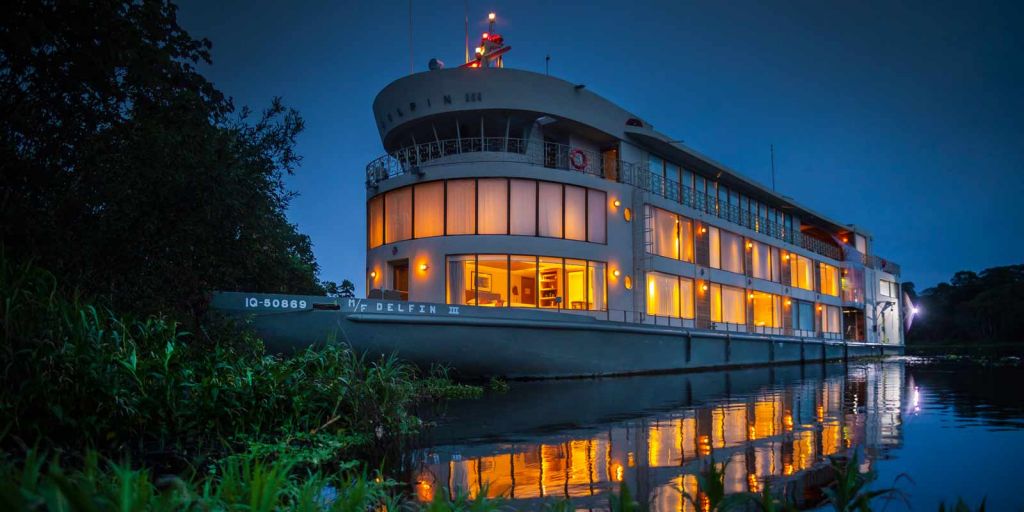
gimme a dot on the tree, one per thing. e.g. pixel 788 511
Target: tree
pixel 348 289
pixel 127 173
pixel 973 307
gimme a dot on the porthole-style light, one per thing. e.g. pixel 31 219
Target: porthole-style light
pixel 627 214
pixel 628 283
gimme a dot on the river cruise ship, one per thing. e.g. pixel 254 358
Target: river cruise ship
pixel 521 224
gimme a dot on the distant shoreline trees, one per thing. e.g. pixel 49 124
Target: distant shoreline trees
pixel 984 307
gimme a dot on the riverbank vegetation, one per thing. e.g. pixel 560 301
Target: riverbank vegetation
pixel 973 314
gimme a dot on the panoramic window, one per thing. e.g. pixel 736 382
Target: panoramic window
pixel 492 206
pixel 549 209
pixel 887 288
pixel 765 259
pixel 830 319
pixel 575 213
pixel 596 217
pixel 428 214
pixel 668 234
pixel 669 295
pixel 829 279
pixel 524 207
pixel 487 206
pixel 727 305
pixel 500 280
pixel 801 272
pixel 803 316
pixel 767 309
pixel 461 207
pixel 375 222
pixel 726 250
pixel 398 215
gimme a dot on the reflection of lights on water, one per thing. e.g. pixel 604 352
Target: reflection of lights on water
pixel 917 399
pixel 618 473
pixel 630 459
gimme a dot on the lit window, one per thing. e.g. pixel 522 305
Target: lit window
pixel 524 207
pixel 492 206
pixel 575 213
pixel 727 304
pixel 429 210
pixel 398 215
pixel 375 222
pixel 801 272
pixel 829 279
pixel 461 207
pixel 523 277
pixel 550 209
pixel 731 251
pixel 765 261
pixel 803 317
pixel 596 215
pixel 830 319
pixel 662 294
pixel 491 280
pixel 767 309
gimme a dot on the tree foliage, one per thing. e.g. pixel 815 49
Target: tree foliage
pixel 127 173
pixel 973 307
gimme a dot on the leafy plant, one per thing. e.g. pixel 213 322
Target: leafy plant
pixel 851 491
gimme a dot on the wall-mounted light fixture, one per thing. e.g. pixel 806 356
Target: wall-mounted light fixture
pixel 616 203
pixel 628 283
pixel 615 272
pixel 373 274
pixel 627 214
pixel 424 267
pixel 750 296
pixel 704 287
pixel 788 302
pixel 703 230
pixel 750 245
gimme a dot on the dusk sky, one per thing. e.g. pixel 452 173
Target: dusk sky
pixel 904 118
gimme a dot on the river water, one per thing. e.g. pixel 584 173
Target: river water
pixel 954 430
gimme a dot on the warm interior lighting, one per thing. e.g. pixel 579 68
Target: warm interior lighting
pixel 617 203
pixel 424 267
pixel 615 272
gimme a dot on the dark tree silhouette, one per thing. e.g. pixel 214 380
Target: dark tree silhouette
pixel 125 172
pixel 973 307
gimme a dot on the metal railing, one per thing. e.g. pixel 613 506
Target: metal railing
pixel 484 149
pixel 639 176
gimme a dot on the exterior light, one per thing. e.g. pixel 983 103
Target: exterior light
pixel 491 16
pixel 750 296
pixel 750 245
pixel 788 302
pixel 628 282
pixel 704 287
pixel 914 310
pixel 373 274
pixel 786 257
pixel 628 214
pixel 484 36
pixel 617 203
pixel 820 307
pixel 424 267
pixel 615 272
pixel 703 229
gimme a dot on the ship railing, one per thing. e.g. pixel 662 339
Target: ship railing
pixel 884 265
pixel 412 159
pixel 640 176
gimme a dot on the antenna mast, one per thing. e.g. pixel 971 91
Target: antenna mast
pixel 465 9
pixel 412 69
pixel 773 166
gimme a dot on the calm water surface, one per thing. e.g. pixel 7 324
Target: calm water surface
pixel 954 430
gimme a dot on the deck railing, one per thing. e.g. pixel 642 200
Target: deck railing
pixel 486 149
pixel 639 176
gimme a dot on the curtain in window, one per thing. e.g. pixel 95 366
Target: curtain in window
pixel 596 217
pixel 550 209
pixel 761 258
pixel 398 215
pixel 492 206
pixel 575 213
pixel 734 309
pixel 662 294
pixel 732 252
pixel 686 297
pixel 597 290
pixel 429 201
pixel 375 224
pixel 524 207
pixel 459 286
pixel 461 207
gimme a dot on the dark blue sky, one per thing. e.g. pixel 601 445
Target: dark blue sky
pixel 904 118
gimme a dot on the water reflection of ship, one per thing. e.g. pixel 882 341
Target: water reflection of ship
pixel 773 426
